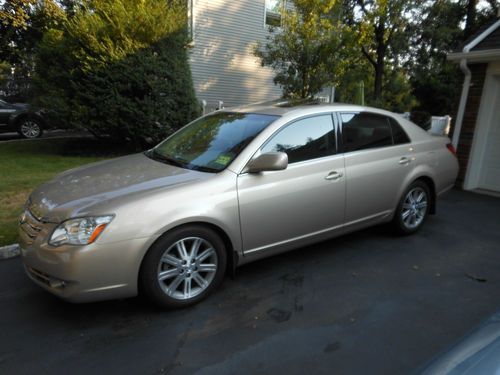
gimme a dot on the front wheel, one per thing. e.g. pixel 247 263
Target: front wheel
pixel 30 128
pixel 183 267
pixel 412 209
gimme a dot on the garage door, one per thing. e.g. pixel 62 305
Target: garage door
pixel 489 177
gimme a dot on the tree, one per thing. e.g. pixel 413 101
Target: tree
pixel 22 24
pixel 380 27
pixel 397 92
pixel 308 51
pixel 437 82
pixel 470 23
pixel 119 68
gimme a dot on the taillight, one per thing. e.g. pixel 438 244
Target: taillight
pixel 450 147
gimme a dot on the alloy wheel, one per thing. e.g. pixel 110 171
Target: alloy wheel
pixel 187 268
pixel 414 208
pixel 30 129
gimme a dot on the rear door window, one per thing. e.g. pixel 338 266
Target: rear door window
pixel 365 130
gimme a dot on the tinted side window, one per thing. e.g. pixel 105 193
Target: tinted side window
pixel 309 138
pixel 398 134
pixel 365 130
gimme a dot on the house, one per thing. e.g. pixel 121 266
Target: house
pixel 223 66
pixel 476 134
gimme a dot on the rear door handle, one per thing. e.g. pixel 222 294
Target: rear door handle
pixel 404 161
pixel 334 175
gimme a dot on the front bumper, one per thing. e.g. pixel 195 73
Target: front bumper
pixel 81 273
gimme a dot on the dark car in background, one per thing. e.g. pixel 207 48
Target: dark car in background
pixel 22 119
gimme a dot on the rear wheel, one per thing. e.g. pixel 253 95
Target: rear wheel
pixel 30 128
pixel 183 267
pixel 413 208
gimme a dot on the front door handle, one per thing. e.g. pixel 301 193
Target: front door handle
pixel 404 161
pixel 334 175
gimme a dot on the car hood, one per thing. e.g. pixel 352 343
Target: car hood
pixel 83 190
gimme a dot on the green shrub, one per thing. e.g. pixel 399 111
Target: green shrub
pixel 120 69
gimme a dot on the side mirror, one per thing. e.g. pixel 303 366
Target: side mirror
pixel 270 161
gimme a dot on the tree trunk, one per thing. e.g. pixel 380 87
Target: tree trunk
pixel 470 22
pixel 379 76
pixel 380 63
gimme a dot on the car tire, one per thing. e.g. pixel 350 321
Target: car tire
pixel 183 267
pixel 413 208
pixel 30 128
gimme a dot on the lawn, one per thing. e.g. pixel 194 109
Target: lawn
pixel 26 164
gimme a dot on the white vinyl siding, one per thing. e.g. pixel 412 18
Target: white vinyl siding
pixel 222 63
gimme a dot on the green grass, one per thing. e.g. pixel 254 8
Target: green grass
pixel 26 164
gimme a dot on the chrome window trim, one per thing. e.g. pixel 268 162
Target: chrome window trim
pixel 282 127
pixel 341 125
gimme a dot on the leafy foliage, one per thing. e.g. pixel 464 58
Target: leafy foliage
pixel 437 82
pixel 22 24
pixel 308 51
pixel 380 26
pixel 338 43
pixel 119 69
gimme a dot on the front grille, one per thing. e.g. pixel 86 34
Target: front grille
pixel 30 226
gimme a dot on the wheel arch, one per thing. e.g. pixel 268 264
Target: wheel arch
pixel 432 188
pixel 232 254
pixel 27 115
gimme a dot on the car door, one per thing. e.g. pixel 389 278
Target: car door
pixel 305 200
pixel 378 157
pixel 5 111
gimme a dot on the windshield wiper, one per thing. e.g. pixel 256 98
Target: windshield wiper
pixel 164 159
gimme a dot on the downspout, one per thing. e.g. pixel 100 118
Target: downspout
pixel 467 79
pixel 463 101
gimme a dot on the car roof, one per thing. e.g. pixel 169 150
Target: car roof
pixel 306 106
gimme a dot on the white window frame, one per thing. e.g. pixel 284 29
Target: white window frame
pixel 266 10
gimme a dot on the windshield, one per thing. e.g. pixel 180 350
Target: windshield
pixel 211 143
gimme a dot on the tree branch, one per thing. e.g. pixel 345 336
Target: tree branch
pixel 369 57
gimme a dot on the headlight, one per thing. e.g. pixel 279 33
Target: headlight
pixel 81 231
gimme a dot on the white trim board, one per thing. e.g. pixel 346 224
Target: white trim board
pixel 490 95
pixel 481 36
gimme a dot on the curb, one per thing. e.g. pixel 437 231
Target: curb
pixel 42 138
pixel 10 251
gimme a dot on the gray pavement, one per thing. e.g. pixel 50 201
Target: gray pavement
pixel 366 303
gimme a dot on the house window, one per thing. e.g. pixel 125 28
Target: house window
pixel 273 12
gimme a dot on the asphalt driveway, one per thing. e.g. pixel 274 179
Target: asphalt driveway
pixel 365 303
